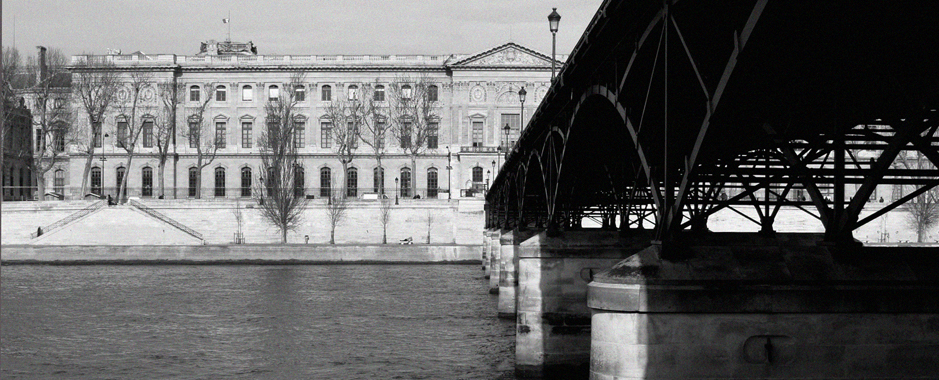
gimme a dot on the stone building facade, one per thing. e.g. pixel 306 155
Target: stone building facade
pixel 478 97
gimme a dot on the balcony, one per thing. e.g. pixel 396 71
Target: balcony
pixel 480 149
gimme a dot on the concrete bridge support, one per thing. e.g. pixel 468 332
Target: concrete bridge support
pixel 767 308
pixel 495 248
pixel 485 252
pixel 552 338
pixel 508 271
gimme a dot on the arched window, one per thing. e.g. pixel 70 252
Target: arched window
pixel 353 92
pixel 247 93
pixel 221 93
pixel 378 180
pixel 352 182
pixel 245 182
pixel 379 93
pixel 219 182
pixel 273 93
pixel 119 176
pixel 326 93
pixel 432 183
pixel 193 181
pixel 146 179
pixel 299 93
pixel 298 182
pixel 96 180
pixel 325 181
pixel 432 93
pixel 193 93
pixel 59 181
pixel 405 182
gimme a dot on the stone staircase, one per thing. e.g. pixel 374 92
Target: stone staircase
pixel 117 225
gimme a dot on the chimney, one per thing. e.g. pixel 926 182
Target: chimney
pixel 43 69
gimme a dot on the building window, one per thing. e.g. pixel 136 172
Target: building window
pixel 432 183
pixel 40 140
pixel 477 133
pixel 219 182
pixel 432 93
pixel 352 132
pixel 325 181
pixel 121 133
pixel 406 91
pixel 58 139
pixel 298 134
pixel 119 176
pixel 478 174
pixel 220 134
pixel 326 129
pixel 273 93
pixel 194 93
pixel 246 182
pixel 298 181
pixel 352 182
pixel 353 92
pixel 326 93
pixel 193 181
pixel 59 103
pixel 432 128
pixel 247 93
pixel 378 180
pixel 96 180
pixel 59 181
pixel 406 135
pixel 246 134
pixel 96 131
pixel 405 182
pixel 148 134
pixel 146 178
pixel 514 121
pixel 380 139
pixel 194 134
pixel 221 93
pixel 379 93
pixel 299 93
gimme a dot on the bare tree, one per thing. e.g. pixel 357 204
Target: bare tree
pixel 279 201
pixel 346 115
pixel 134 115
pixel 335 211
pixel 51 113
pixel 95 83
pixel 384 217
pixel 373 127
pixel 923 210
pixel 170 94
pixel 240 220
pixel 10 66
pixel 200 131
pixel 414 115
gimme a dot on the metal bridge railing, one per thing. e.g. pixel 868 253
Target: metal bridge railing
pixel 160 216
pixel 71 218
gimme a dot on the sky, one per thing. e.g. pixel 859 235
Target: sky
pixel 293 26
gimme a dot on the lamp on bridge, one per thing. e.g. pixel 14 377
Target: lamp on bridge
pixel 505 131
pixel 487 179
pixel 396 191
pixel 553 20
pixel 521 116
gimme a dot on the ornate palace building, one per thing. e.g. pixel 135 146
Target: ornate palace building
pixel 477 96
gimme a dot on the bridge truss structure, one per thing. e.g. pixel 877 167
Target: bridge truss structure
pixel 669 111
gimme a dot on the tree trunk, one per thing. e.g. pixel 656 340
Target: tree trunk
pixel 85 176
pixel 332 235
pixel 283 231
pixel 122 193
pixel 413 175
pixel 342 176
pixel 384 234
pixel 41 184
pixel 160 175
pixel 199 176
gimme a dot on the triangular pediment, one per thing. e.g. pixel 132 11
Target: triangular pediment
pixel 508 55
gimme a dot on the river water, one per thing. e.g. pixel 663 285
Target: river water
pixel 251 322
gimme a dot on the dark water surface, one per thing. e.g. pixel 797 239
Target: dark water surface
pixel 251 322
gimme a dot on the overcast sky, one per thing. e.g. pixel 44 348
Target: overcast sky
pixel 293 26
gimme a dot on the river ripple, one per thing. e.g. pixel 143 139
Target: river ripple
pixel 250 322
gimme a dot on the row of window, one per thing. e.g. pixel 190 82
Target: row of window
pixel 326 93
pixel 326 135
pixel 352 181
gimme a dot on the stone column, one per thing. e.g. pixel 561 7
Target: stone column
pixel 762 307
pixel 494 253
pixel 485 252
pixel 553 321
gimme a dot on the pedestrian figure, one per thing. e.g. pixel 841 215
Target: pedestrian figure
pixel 110 201
pixel 38 231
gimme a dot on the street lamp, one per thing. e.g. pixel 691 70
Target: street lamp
pixel 396 191
pixel 449 181
pixel 521 118
pixel 487 179
pixel 103 159
pixel 553 20
pixel 505 130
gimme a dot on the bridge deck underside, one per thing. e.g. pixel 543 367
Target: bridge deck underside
pixel 670 111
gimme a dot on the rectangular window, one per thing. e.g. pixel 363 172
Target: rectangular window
pixel 96 128
pixel 220 94
pixel 381 127
pixel 273 93
pixel 300 93
pixel 121 133
pixel 148 134
pixel 406 135
pixel 432 135
pixel 247 93
pixel 193 134
pixel 326 93
pixel 478 133
pixel 39 140
pixel 194 94
pixel 246 134
pixel 58 138
pixel 326 129
pixel 298 134
pixel 515 124
pixel 220 134
pixel 353 134
pixel 432 93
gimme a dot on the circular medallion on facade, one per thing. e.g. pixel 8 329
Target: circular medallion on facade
pixel 478 94
pixel 147 94
pixel 123 94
